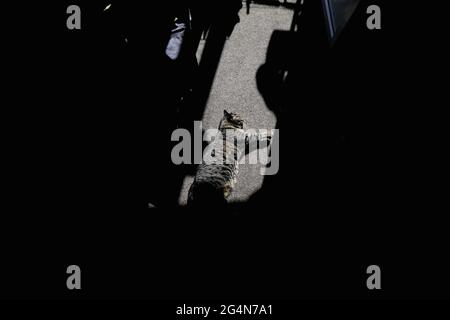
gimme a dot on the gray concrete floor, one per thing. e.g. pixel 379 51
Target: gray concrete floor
pixel 234 87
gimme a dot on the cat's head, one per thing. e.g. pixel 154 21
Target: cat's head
pixel 231 120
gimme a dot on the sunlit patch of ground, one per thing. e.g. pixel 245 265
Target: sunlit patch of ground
pixel 235 90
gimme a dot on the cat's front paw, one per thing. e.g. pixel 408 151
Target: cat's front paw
pixel 266 137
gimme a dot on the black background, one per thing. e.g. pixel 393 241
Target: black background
pixel 77 186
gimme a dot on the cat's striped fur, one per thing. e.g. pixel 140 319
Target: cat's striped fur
pixel 215 178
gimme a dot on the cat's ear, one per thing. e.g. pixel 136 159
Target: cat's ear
pixel 226 114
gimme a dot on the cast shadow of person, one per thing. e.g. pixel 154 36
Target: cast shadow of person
pixel 294 82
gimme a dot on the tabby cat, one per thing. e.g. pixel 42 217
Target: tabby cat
pixel 215 178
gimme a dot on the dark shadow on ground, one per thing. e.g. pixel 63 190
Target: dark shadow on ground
pixel 349 192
